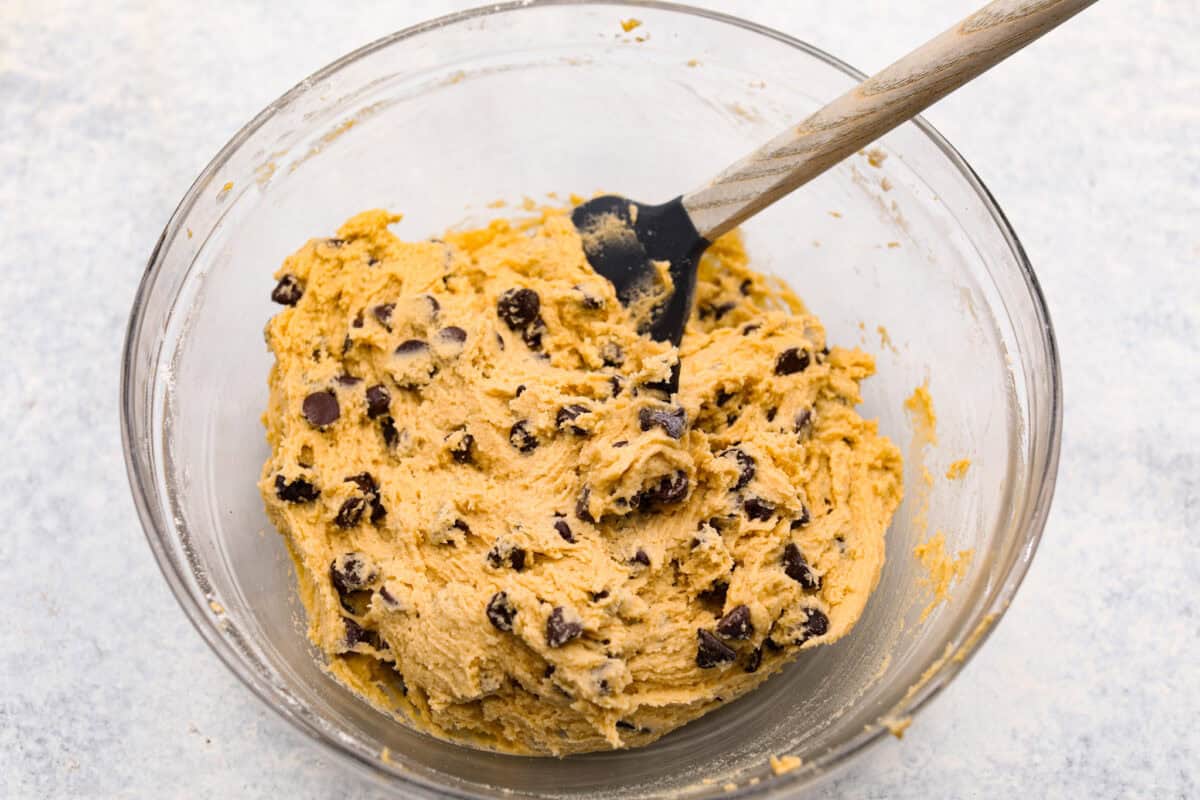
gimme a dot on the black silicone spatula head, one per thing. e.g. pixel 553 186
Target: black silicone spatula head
pixel 622 238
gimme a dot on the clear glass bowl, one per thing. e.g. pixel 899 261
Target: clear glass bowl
pixel 439 120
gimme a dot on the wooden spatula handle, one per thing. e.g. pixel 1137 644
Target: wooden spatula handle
pixel 873 108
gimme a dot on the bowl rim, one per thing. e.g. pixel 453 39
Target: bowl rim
pixel 944 669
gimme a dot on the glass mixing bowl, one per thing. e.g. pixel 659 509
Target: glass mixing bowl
pixel 523 100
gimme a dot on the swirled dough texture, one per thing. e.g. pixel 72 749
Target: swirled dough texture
pixel 506 535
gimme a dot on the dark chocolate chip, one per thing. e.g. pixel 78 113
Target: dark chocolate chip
pixel 520 390
pixel 412 347
pixel 463 450
pixel 288 291
pixel 716 311
pixel 621 443
pixel 581 506
pixel 568 414
pixel 669 489
pixel 383 313
pixel 354 633
pixel 298 491
pixel 745 286
pixel 505 554
pixel 550 668
pixel 746 466
pixel 736 624
pixel 817 624
pixel 387 426
pixel 499 341
pixel 352 572
pixel 791 361
pixel 771 412
pixel 751 328
pixel 615 383
pixel 622 725
pixel 600 595
pixel 434 305
pixel 803 519
pixel 714 595
pixel 564 530
pixel 559 631
pixel 759 509
pixel 452 334
pixel 532 336
pixel 520 437
pixel 501 611
pixel 364 481
pixel 588 300
pixel 347 380
pixel 803 420
pixel 640 557
pixel 722 396
pixel 673 420
pixel 350 514
pixel 754 660
pixel 518 308
pixel 712 652
pixel 388 598
pixel 358 320
pixel 796 567
pixel 378 400
pixel 321 408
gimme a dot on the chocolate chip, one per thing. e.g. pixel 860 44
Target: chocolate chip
pixel 669 489
pixel 298 491
pixel 452 335
pixel 751 328
pixel 746 466
pixel 622 725
pixel 352 572
pixel 564 530
pixel 559 630
pixel 803 420
pixel 615 383
pixel 745 286
pixel 816 624
pixel 621 443
pixel 716 311
pixel 347 380
pixel 600 595
pixel 506 554
pixel 350 514
pixel 364 481
pixel 387 426
pixel 520 390
pixel 754 660
pixel 771 412
pixel 791 361
pixel 640 557
pixel 581 506
pixel 354 633
pixel 383 313
pixel 288 291
pixel 412 347
pixel 520 437
pixel 796 567
pixel 378 400
pixel 759 509
pixel 714 595
pixel 518 308
pixel 321 408
pixel 712 652
pixel 463 449
pixel 532 336
pixel 501 611
pixel 570 413
pixel 803 519
pixel 612 354
pixel 550 668
pixel 388 598
pixel 499 341
pixel 722 396
pixel 673 420
pixel 461 525
pixel 358 320
pixel 434 305
pixel 736 624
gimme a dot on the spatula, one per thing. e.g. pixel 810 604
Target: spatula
pixel 622 237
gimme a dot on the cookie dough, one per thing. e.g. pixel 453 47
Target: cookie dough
pixel 505 532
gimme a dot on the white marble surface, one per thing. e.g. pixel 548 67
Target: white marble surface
pixel 1091 142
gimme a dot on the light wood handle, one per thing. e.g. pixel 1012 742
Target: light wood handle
pixel 871 109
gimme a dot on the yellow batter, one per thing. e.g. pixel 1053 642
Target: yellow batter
pixel 506 536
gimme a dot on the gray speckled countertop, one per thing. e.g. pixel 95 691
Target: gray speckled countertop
pixel 1090 140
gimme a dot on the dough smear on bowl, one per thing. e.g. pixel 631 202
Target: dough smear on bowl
pixel 507 536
